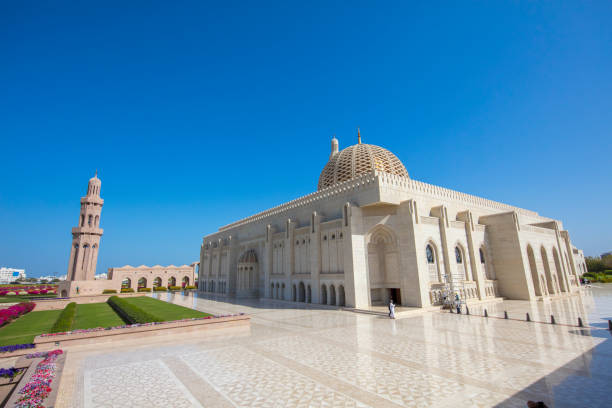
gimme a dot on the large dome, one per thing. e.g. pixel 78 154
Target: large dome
pixel 357 160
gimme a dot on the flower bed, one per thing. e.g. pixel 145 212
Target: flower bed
pixel 10 372
pixel 38 387
pixel 13 312
pixel 127 326
pixel 15 347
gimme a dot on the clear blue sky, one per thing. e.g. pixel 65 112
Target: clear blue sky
pixel 198 113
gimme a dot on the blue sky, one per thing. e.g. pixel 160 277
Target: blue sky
pixel 198 113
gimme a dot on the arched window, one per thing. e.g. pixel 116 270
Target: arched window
pixel 458 255
pixel 89 220
pixel 97 220
pixel 482 257
pixel 82 220
pixel 430 254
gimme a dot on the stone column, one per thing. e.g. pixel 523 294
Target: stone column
pixel 268 260
pixel 477 273
pixel 414 283
pixel 315 256
pixel 356 279
pixel 450 267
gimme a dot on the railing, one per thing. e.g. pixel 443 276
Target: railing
pixel 490 288
pixel 469 290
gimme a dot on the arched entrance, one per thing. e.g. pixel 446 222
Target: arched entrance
pixel 185 281
pixel 126 283
pixel 534 272
pixel 383 264
pixel 293 293
pixel 332 295
pixel 157 282
pixel 171 281
pixel 248 275
pixel 341 298
pixel 549 278
pixel 323 294
pixel 558 269
pixel 142 283
pixel 302 295
pixel 308 295
pixel 64 293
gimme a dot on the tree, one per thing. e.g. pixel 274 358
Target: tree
pixel 607 261
pixel 55 280
pixel 43 281
pixel 594 264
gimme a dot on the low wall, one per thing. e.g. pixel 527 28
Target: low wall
pixel 64 340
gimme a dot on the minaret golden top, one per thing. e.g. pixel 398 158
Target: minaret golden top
pixel 358 136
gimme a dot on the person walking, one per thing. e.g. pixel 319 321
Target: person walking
pixel 391 309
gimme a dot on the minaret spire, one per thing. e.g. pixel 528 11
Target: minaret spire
pixel 358 136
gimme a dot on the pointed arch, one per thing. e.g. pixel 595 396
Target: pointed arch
pixel 332 295
pixel 323 294
pixel 535 276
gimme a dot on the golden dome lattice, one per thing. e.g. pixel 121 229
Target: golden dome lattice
pixel 357 160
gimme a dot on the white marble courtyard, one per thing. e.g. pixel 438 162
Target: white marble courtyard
pixel 297 357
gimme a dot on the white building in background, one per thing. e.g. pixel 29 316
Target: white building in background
pixel 8 275
pixel 370 233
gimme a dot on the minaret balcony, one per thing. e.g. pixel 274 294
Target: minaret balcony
pixel 87 230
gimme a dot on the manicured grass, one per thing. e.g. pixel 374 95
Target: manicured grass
pixel 24 298
pixel 95 315
pixel 165 310
pixel 25 328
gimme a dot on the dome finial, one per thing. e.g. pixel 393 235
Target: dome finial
pixel 358 136
pixel 96 175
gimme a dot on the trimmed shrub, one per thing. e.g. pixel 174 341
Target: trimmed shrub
pixel 65 319
pixel 144 289
pixel 174 288
pixel 160 289
pixel 130 313
pixel 105 291
pixel 190 287
pixel 127 290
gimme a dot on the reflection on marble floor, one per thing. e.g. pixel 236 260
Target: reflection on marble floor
pixel 294 356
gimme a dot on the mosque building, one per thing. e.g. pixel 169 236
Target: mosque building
pixel 370 233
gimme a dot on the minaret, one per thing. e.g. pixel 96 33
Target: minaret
pixel 86 237
pixel 334 147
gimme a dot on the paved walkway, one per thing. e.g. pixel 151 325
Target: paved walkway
pixel 294 356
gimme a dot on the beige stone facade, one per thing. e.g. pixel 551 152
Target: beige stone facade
pixel 153 276
pixel 371 233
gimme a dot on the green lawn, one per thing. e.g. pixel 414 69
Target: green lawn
pixel 95 315
pixel 164 310
pixel 23 298
pixel 25 328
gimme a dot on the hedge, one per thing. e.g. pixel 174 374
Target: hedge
pixel 127 290
pixel 190 287
pixel 129 312
pixel 105 291
pixel 174 288
pixel 160 288
pixel 144 289
pixel 65 319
